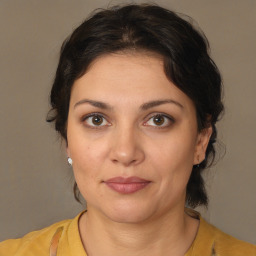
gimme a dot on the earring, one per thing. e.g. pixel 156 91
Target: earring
pixel 198 159
pixel 70 161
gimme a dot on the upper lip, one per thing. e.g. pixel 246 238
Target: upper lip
pixel 127 180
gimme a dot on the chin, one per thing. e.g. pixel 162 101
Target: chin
pixel 128 212
pixel 129 218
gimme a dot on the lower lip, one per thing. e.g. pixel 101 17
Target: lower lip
pixel 127 188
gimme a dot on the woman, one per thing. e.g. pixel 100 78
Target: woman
pixel 136 98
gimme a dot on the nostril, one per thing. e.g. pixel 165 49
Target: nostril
pixel 126 150
pixel 128 160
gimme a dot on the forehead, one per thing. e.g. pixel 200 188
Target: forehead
pixel 127 76
pixel 127 63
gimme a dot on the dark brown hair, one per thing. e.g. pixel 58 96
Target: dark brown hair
pixel 153 29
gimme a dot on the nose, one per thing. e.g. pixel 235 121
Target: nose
pixel 127 147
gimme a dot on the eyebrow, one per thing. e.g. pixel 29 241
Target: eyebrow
pixel 145 106
pixel 97 104
pixel 156 103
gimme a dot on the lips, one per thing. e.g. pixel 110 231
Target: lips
pixel 126 185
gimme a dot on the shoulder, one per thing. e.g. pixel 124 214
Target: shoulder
pixel 211 241
pixel 225 244
pixel 222 243
pixel 34 243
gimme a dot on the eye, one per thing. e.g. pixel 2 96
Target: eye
pixel 95 120
pixel 159 120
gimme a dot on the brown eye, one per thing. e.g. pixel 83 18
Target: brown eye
pixel 158 120
pixel 97 120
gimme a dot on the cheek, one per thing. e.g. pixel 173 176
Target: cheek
pixel 87 154
pixel 87 157
pixel 173 165
pixel 84 147
pixel 174 151
pixel 86 168
pixel 173 160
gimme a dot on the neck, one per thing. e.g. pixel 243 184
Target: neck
pixel 171 234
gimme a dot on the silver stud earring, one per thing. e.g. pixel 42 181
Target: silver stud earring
pixel 70 161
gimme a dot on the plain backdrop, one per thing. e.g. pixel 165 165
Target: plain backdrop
pixel 36 182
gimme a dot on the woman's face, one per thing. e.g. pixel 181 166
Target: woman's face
pixel 133 138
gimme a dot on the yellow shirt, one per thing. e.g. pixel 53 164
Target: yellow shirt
pixel 64 238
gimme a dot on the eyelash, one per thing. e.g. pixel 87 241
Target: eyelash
pixel 85 118
pixel 167 118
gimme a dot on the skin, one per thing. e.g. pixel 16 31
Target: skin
pixel 131 136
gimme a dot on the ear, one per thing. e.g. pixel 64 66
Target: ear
pixel 201 144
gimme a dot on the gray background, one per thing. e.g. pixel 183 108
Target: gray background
pixel 36 183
